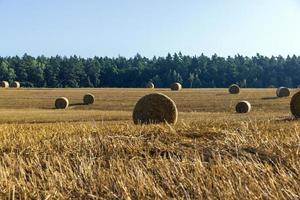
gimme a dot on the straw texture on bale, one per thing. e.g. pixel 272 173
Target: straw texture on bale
pixel 155 108
pixel 176 86
pixel 4 84
pixel 88 99
pixel 61 103
pixel 15 84
pixel 295 105
pixel 234 89
pixel 243 107
pixel 283 92
pixel 150 85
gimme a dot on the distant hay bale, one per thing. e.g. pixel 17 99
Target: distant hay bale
pixel 88 99
pixel 176 86
pixel 150 85
pixel 15 84
pixel 243 107
pixel 234 89
pixel 61 103
pixel 283 92
pixel 295 105
pixel 4 84
pixel 155 108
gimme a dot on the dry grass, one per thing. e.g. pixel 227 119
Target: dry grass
pixel 204 100
pixel 96 152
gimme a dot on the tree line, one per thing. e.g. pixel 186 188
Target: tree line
pixel 191 71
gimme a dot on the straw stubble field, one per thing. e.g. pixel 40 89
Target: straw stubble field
pixel 96 152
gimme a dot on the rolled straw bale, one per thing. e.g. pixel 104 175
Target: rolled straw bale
pixel 149 85
pixel 155 108
pixel 243 107
pixel 88 99
pixel 283 92
pixel 61 103
pixel 15 84
pixel 4 84
pixel 234 89
pixel 176 86
pixel 295 105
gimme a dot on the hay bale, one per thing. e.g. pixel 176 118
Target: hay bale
pixel 150 85
pixel 88 99
pixel 4 84
pixel 234 89
pixel 243 107
pixel 295 105
pixel 61 103
pixel 283 92
pixel 15 84
pixel 176 86
pixel 155 108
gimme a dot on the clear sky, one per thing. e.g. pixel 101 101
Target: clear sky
pixel 149 27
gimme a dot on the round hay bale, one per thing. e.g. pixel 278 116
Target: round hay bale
pixel 283 92
pixel 234 89
pixel 4 84
pixel 155 108
pixel 15 84
pixel 176 86
pixel 295 105
pixel 149 85
pixel 243 107
pixel 88 99
pixel 61 103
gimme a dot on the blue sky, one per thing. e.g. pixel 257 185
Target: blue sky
pixel 126 27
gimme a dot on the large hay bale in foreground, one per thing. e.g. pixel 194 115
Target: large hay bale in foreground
pixel 88 99
pixel 295 105
pixel 155 108
pixel 243 107
pixel 283 92
pixel 61 103
pixel 4 84
pixel 15 84
pixel 176 86
pixel 234 89
pixel 150 85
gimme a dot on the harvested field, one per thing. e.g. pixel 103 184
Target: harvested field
pixel 94 152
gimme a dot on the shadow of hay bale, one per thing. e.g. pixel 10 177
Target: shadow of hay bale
pixel 269 98
pixel 285 119
pixel 77 104
pixel 223 94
